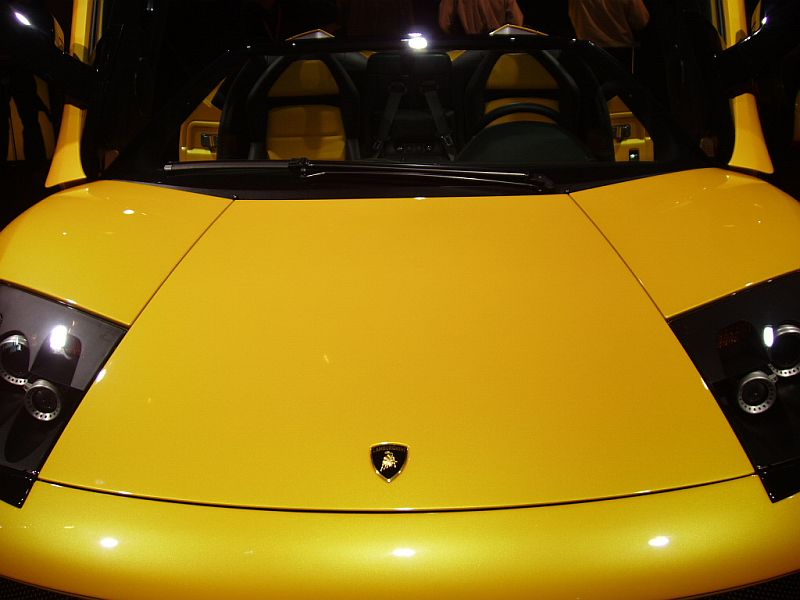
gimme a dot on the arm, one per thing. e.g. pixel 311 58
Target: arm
pixel 514 13
pixel 638 16
pixel 446 11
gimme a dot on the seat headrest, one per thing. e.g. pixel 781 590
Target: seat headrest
pixel 305 78
pixel 520 71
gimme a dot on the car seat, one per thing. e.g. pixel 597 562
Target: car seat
pixel 303 106
pixel 409 109
pixel 520 86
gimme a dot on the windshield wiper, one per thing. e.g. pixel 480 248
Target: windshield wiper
pixel 307 169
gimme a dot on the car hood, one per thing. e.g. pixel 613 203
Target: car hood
pixel 114 244
pixel 503 340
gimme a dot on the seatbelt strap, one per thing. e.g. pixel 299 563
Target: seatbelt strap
pixel 397 89
pixel 437 112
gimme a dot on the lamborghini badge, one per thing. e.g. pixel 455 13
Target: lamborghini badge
pixel 388 459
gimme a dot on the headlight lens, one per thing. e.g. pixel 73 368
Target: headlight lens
pixel 747 348
pixel 784 352
pixel 43 401
pixel 50 354
pixel 14 359
pixel 756 392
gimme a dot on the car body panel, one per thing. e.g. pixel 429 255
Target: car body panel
pixel 750 149
pixel 562 444
pixel 416 321
pixel 66 165
pixel 116 243
pixel 696 236
pixel 715 537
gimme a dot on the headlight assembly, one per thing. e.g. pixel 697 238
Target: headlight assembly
pixel 50 354
pixel 756 392
pixel 747 348
pixel 784 349
pixel 14 359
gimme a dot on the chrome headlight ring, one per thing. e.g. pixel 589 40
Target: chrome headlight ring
pixel 43 400
pixel 14 359
pixel 757 392
pixel 784 351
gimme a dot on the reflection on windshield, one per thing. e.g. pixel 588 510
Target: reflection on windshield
pixel 517 100
pixel 533 106
pixel 485 106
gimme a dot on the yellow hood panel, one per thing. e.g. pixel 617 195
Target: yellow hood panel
pixel 501 339
pixel 696 236
pixel 116 242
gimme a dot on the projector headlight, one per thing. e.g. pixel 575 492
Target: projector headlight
pixel 50 354
pixel 43 401
pixel 756 392
pixel 14 359
pixel 784 352
pixel 747 348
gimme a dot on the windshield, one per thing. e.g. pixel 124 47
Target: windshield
pixel 237 113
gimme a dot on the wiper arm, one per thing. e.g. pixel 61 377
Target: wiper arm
pixel 306 168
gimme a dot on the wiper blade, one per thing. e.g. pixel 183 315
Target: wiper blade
pixel 308 169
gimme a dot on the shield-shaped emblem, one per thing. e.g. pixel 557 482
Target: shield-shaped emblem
pixel 388 459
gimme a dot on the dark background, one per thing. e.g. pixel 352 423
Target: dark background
pixel 22 182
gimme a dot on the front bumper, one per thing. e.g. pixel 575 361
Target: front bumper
pixel 665 545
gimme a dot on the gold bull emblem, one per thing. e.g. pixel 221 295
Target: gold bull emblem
pixel 388 459
pixel 389 462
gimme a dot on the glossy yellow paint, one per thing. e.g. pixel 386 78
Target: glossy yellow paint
pixel 695 236
pixel 750 149
pixel 116 243
pixel 755 18
pixel 736 22
pixel 296 334
pixel 472 329
pixel 66 165
pixel 714 537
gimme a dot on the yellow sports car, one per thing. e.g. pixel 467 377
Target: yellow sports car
pixel 419 317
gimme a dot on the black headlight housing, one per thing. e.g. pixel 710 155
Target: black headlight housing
pixel 50 353
pixel 747 349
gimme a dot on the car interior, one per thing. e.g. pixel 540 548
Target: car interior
pixel 473 106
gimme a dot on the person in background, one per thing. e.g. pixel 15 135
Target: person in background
pixel 478 16
pixel 611 24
